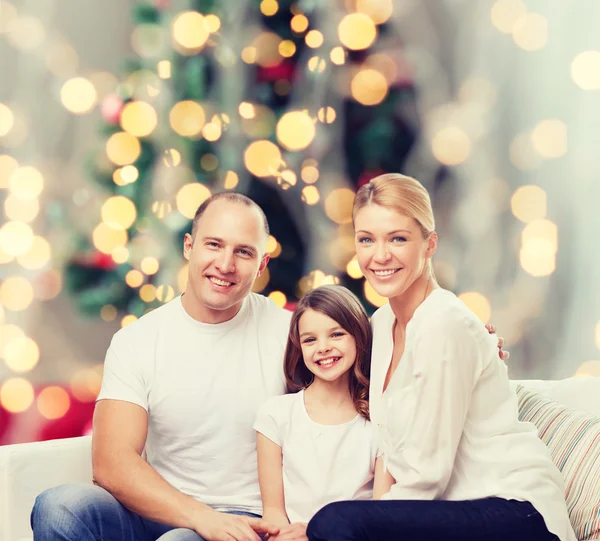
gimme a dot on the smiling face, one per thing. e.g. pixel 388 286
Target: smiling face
pixel 328 350
pixel 390 249
pixel 225 256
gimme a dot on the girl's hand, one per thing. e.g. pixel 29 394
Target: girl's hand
pixel 292 532
pixel 504 355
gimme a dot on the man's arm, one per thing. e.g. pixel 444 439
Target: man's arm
pixel 119 437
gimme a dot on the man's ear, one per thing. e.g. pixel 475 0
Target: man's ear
pixel 263 264
pixel 432 242
pixel 188 242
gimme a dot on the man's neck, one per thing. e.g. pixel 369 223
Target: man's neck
pixel 204 314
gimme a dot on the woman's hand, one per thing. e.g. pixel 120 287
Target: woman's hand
pixel 291 532
pixel 504 355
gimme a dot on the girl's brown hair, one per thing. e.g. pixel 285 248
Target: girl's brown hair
pixel 342 306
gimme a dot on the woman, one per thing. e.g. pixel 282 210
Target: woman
pixel 457 464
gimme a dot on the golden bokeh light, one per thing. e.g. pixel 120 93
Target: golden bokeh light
pixel 338 56
pixel 589 369
pixel 62 59
pixel 150 265
pixel 310 195
pixel 538 257
pixel 209 162
pixel 451 146
pixel 138 118
pixel 16 293
pixel 78 95
pixel 299 23
pixel 505 13
pixel 287 48
pixel 8 165
pixel 190 197
pixel 108 239
pixel 478 304
pixel 25 32
pixel 148 293
pixel 295 130
pixel 316 64
pixel 211 131
pixel 266 46
pixel 263 158
pixel 22 210
pixel 528 203
pixel 38 256
pixel 357 31
pixel 338 205
pixel 171 157
pixel 123 148
pixel 541 230
pixel 134 278
pixel 161 209
pixel 314 39
pixel 597 335
pixel 108 312
pixel 126 175
pixel 26 182
pixel 187 118
pixel 231 180
pixel 163 69
pixel 212 22
pixel 120 254
pixel 369 87
pixel 372 296
pixel 16 395
pixel 549 138
pixel 271 244
pixel 378 10
pixel 288 179
pixel 261 282
pixel 7 119
pixel 118 212
pixel 53 402
pixel 353 269
pixel 182 277
pixel 85 385
pixel 165 293
pixel 21 354
pixel 249 54
pixel 384 64
pixel 247 110
pixel 16 238
pixel 326 115
pixel 585 70
pixel 310 174
pixel 128 320
pixel 269 7
pixel 189 31
pixel 278 297
pixel 530 31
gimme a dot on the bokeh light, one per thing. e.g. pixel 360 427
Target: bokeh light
pixel 6 119
pixel 314 39
pixel 278 297
pixel 16 293
pixel 22 210
pixel 549 138
pixel 369 87
pixel 53 402
pixel 528 203
pixel 78 95
pixel 190 197
pixel 263 158
pixel 585 70
pixel 338 205
pixel 25 32
pixel 108 312
pixel 589 369
pixel 189 32
pixel 357 31
pixel 8 165
pixel 26 182
pixel 187 118
pixel 451 146
pixel 269 7
pixel 123 148
pixel 149 265
pixel 21 354
pixel 128 320
pixel 266 47
pixel 38 256
pixel 299 23
pixel 138 118
pixel 378 10
pixel 165 293
pixel 231 180
pixel 148 292
pixel 505 13
pixel 295 130
pixel 478 304
pixel 310 195
pixel 16 238
pixel 134 278
pixel 353 269
pixel 182 277
pixel 108 239
pixel 530 31
pixel 372 296
pixel 118 212
pixel 16 395
pixel 338 56
pixel 85 384
pixel 287 48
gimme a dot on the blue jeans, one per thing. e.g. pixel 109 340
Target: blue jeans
pixel 489 519
pixel 81 512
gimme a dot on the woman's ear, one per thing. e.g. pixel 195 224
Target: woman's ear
pixel 432 241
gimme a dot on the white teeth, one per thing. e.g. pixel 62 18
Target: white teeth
pixel 384 272
pixel 328 361
pixel 220 282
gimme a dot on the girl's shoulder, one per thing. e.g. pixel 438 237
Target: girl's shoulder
pixel 280 403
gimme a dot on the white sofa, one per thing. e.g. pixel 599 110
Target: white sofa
pixel 28 469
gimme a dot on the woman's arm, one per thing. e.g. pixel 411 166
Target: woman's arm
pixel 383 480
pixel 270 478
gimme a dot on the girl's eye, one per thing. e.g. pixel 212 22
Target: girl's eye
pixel 337 334
pixel 307 340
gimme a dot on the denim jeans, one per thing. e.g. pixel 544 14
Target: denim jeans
pixel 489 519
pixel 81 512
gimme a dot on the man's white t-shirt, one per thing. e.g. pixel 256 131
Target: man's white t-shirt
pixel 321 463
pixel 202 385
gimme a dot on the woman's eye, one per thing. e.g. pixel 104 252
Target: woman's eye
pixel 399 239
pixel 365 240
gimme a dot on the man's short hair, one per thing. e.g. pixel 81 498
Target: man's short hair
pixel 233 197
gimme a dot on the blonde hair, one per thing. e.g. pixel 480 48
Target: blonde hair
pixel 403 194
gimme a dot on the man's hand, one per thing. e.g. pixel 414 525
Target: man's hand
pixel 216 526
pixel 292 532
pixel 504 355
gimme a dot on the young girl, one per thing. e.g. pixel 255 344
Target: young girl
pixel 316 445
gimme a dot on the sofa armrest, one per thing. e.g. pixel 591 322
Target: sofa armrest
pixel 28 469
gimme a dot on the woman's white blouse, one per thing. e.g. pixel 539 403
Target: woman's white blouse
pixel 447 423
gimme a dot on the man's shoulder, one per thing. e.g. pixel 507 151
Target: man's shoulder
pixel 149 323
pixel 263 307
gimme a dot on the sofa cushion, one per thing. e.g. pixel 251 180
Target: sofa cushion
pixel 573 438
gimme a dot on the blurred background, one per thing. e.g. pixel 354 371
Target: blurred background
pixel 117 119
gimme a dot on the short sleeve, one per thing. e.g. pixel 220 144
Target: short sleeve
pixel 122 379
pixel 268 420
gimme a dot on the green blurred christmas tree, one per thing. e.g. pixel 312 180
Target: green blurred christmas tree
pixel 293 104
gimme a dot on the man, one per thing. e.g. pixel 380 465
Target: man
pixel 183 384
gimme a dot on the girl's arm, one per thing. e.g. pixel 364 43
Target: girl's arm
pixel 383 480
pixel 270 478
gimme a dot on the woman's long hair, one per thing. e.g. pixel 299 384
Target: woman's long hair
pixel 343 307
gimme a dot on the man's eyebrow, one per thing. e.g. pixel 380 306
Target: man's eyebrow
pixel 248 247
